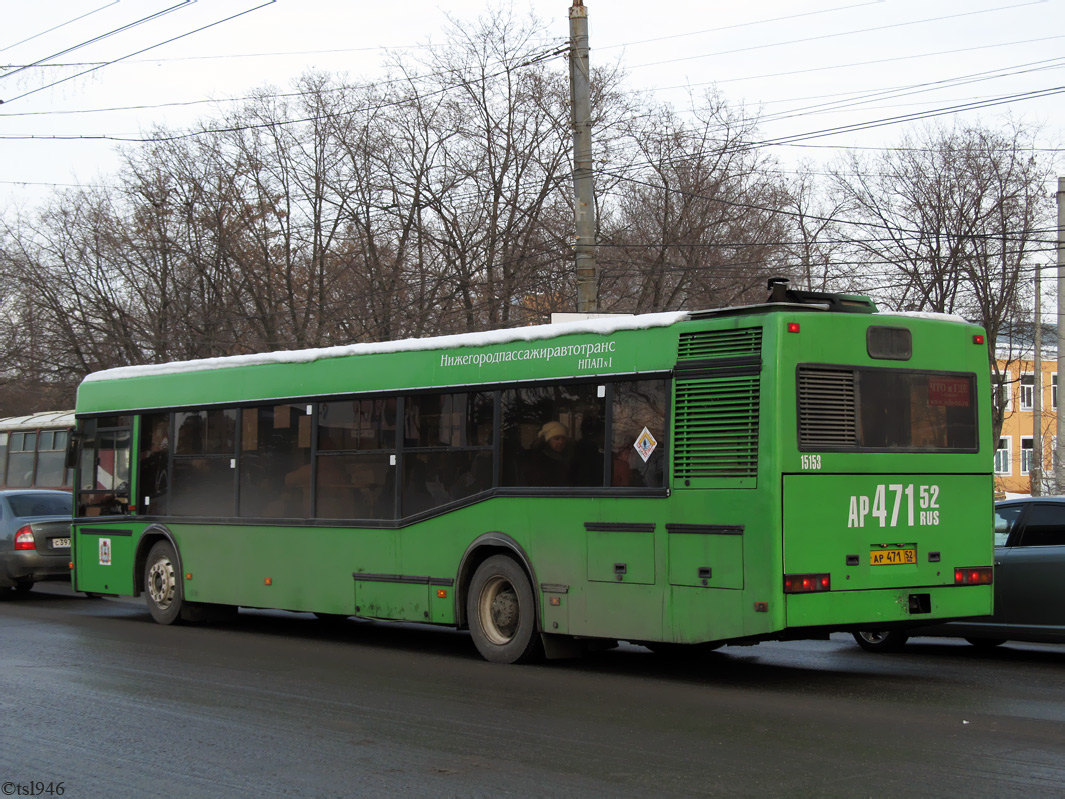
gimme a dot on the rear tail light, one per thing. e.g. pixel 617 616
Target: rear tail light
pixel 24 538
pixel 981 575
pixel 806 583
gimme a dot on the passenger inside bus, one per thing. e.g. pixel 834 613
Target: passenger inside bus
pixel 550 460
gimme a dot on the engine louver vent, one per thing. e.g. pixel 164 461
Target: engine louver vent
pixel 720 344
pixel 716 412
pixel 827 408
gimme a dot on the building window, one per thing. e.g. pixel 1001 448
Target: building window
pixel 1003 395
pixel 1054 391
pixel 1027 391
pixel 1002 457
pixel 1027 455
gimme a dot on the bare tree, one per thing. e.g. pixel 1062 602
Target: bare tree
pixel 948 221
pixel 815 247
pixel 695 220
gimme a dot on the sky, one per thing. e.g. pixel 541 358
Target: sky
pixel 825 75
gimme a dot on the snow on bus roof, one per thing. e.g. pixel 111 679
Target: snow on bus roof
pixel 942 317
pixel 599 326
pixel 35 421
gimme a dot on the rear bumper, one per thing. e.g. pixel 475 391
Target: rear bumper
pixel 915 605
pixel 33 566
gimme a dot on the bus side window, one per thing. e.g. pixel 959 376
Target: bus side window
pixel 447 453
pixel 104 470
pixel 275 461
pixel 355 476
pixel 153 476
pixel 639 458
pixel 552 436
pixel 202 480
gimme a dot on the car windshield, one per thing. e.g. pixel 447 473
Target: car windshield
pixel 40 504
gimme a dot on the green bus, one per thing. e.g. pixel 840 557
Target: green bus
pixel 677 480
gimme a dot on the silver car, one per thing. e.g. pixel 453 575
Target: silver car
pixel 1029 589
pixel 34 537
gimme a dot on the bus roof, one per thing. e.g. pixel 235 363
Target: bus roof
pixel 531 333
pixel 595 326
pixel 36 421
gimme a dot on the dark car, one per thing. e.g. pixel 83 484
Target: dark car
pixel 1029 582
pixel 34 537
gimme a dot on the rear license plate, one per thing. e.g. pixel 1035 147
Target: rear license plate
pixel 60 543
pixel 892 557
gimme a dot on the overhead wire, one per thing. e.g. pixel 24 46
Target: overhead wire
pixel 129 26
pixel 839 34
pixel 142 50
pixel 57 27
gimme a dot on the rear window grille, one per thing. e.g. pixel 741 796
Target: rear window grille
pixel 827 409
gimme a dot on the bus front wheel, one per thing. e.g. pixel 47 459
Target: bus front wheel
pixel 162 586
pixel 502 612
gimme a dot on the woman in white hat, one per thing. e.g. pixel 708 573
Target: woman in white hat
pixel 551 457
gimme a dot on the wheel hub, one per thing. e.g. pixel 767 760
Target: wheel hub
pixel 505 612
pixel 161 583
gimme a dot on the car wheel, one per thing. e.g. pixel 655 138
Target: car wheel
pixel 23 588
pixel 163 590
pixel 881 640
pixel 502 612
pixel 986 643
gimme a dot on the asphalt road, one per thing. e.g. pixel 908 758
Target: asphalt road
pixel 97 697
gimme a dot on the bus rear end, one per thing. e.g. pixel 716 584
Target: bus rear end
pixel 887 486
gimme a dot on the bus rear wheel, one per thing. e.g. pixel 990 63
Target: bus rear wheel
pixel 501 610
pixel 162 589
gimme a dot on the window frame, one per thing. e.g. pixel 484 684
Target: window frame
pixel 1026 391
pixel 1008 449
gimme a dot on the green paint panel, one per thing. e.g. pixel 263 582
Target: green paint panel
pixel 441 608
pixel 945 520
pixel 888 605
pixel 706 614
pixel 621 557
pixel 381 600
pixel 103 559
pixel 706 560
pixel 554 612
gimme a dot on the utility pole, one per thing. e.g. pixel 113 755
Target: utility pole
pixel 584 198
pixel 1059 461
pixel 1036 475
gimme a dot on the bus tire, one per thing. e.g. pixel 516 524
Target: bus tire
pixel 163 590
pixel 501 610
pixel 881 640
